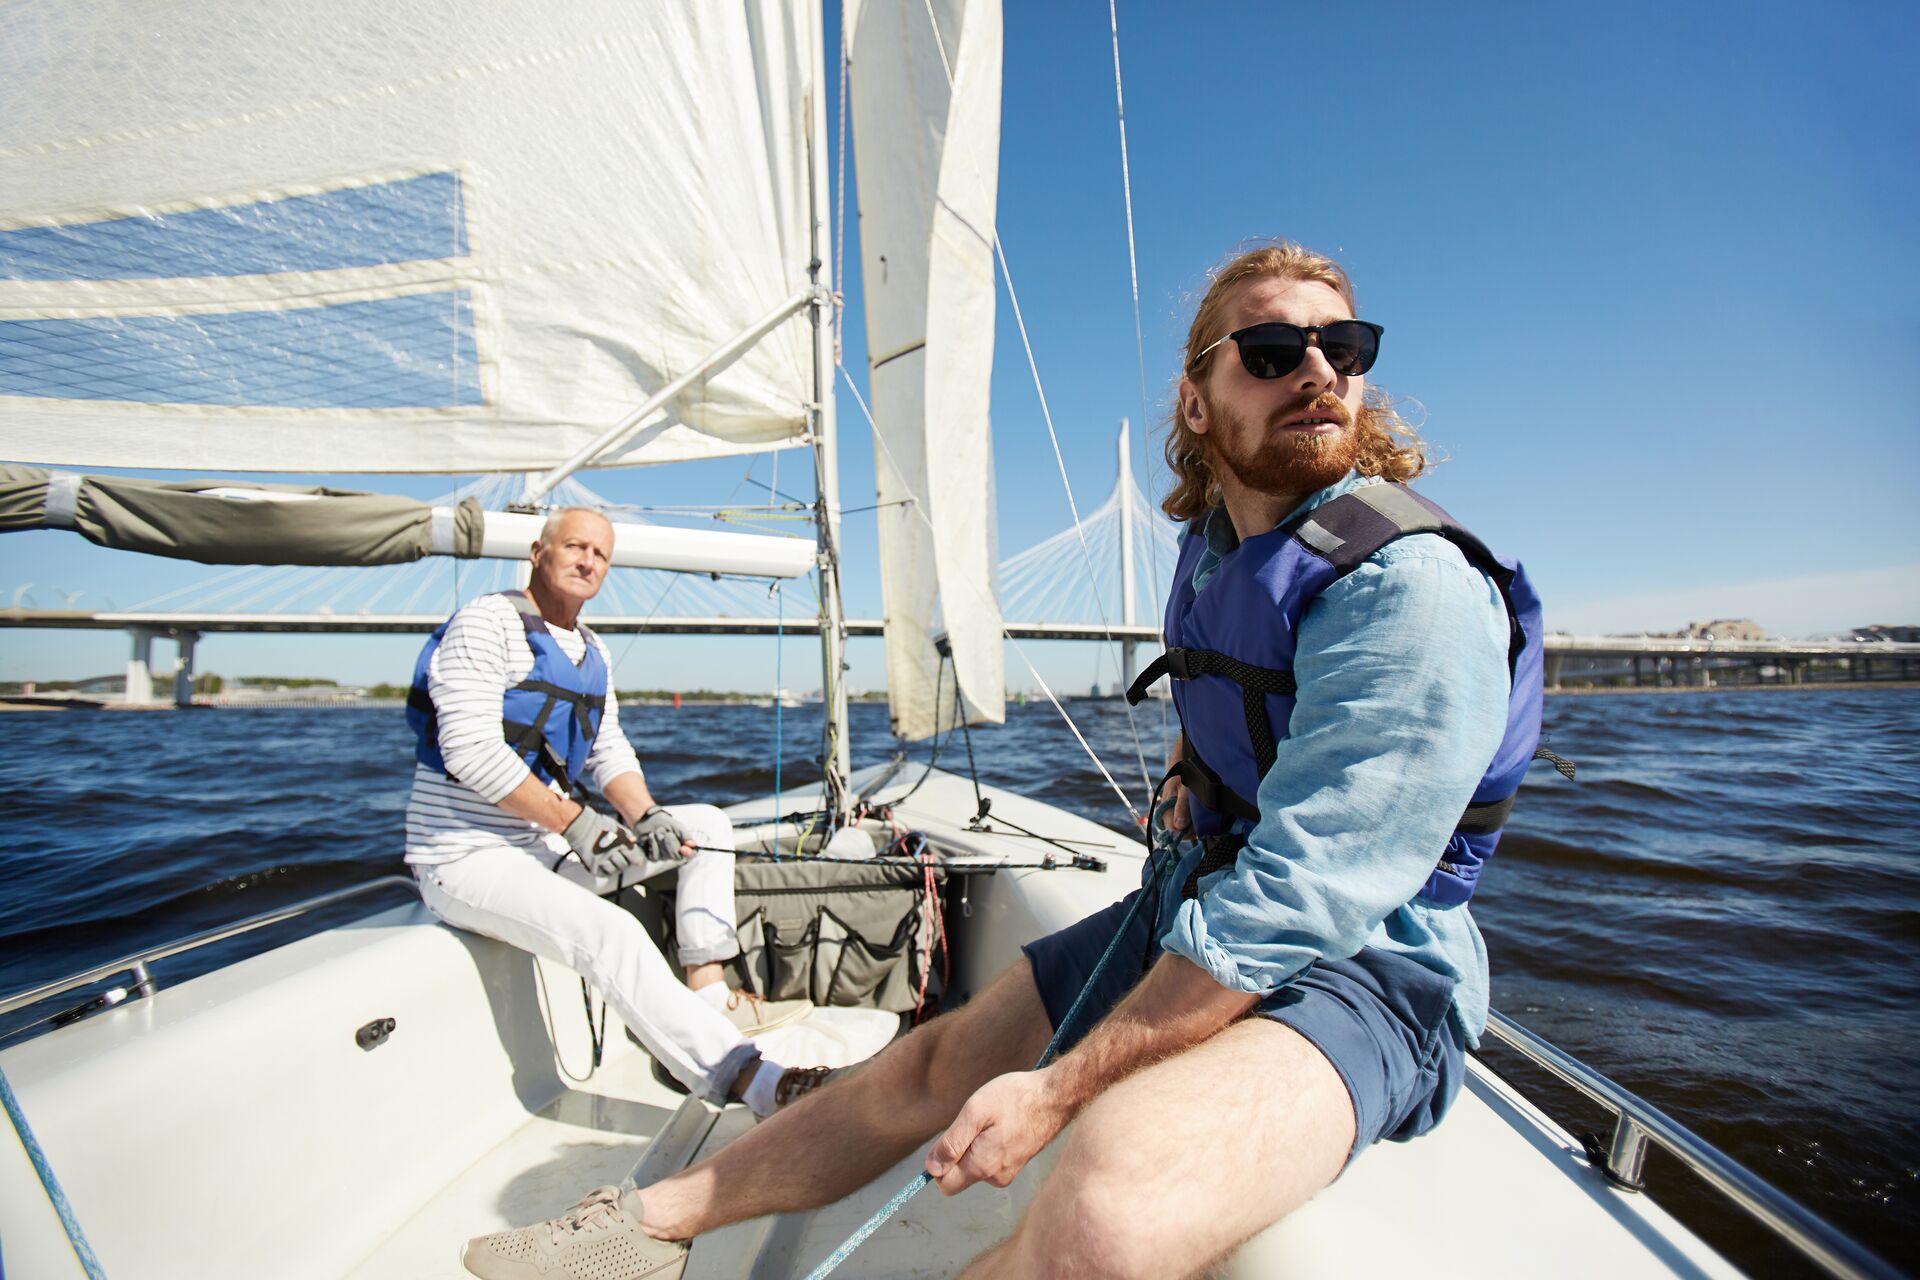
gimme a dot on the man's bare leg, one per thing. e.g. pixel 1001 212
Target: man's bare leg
pixel 1175 1167
pixel 835 1141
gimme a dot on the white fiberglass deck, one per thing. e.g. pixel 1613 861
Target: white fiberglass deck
pixel 230 1126
pixel 1383 1218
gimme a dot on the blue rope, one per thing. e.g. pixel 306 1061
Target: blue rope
pixel 81 1249
pixel 1147 891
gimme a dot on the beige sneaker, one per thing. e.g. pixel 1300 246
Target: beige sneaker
pixel 598 1239
pixel 755 1014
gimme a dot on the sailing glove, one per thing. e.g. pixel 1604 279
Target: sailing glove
pixel 659 835
pixel 604 847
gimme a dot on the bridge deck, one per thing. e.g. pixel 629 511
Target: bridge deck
pixel 176 624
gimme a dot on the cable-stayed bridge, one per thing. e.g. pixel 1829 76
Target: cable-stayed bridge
pixel 1098 580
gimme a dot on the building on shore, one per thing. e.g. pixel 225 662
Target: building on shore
pixel 1720 629
pixel 1882 632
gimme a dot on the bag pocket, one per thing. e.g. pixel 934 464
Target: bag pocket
pixel 865 972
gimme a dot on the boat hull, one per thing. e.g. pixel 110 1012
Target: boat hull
pixel 233 1125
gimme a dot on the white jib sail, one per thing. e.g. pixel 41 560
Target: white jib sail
pixel 446 236
pixel 928 161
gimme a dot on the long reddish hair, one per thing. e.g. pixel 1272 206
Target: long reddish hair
pixel 1389 448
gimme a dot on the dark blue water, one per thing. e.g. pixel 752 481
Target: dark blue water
pixel 1723 913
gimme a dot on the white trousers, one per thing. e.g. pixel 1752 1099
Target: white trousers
pixel 508 893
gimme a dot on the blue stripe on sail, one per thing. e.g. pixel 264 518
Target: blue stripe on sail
pixel 411 220
pixel 413 352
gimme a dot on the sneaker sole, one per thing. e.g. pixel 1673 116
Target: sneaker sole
pixel 671 1271
pixel 785 1020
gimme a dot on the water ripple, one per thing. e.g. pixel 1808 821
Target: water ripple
pixel 1721 912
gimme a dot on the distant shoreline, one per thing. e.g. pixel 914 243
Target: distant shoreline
pixel 1742 688
pixel 7 704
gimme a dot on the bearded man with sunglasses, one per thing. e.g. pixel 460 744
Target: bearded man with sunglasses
pixel 1358 681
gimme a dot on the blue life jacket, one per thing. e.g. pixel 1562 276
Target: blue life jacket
pixel 1230 651
pixel 549 719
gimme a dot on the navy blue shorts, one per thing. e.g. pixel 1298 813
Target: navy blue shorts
pixel 1381 1019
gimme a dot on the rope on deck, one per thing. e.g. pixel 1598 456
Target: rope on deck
pixel 76 1237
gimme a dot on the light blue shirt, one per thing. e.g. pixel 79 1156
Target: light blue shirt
pixel 1402 674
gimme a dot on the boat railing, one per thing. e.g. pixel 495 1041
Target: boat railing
pixel 136 966
pixel 1638 1123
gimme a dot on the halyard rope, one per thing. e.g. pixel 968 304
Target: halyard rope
pixel 1133 278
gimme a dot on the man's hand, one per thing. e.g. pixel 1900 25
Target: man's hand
pixel 604 847
pixel 660 836
pixel 1004 1125
pixel 1177 817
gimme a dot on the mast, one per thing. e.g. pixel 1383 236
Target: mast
pixel 836 762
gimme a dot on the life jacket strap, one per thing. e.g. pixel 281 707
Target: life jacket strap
pixel 1255 684
pixel 418 699
pixel 529 742
pixel 529 611
pixel 1217 854
pixel 1560 762
pixel 1185 664
pixel 1352 527
pixel 587 707
pixel 1206 786
pixel 1485 819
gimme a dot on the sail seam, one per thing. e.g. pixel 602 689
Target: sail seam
pixel 907 350
pixel 339 102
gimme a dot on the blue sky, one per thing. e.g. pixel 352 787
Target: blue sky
pixel 1646 271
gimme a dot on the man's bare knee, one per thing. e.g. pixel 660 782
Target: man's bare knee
pixel 1090 1215
pixel 1093 1206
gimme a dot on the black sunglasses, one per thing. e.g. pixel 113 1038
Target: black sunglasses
pixel 1276 348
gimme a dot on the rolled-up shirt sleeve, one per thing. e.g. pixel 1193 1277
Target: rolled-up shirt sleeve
pixel 1402 672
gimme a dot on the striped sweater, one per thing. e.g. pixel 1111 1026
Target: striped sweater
pixel 483 653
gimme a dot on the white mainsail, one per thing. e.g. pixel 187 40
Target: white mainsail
pixel 440 237
pixel 928 158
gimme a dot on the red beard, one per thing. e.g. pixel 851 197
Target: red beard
pixel 1285 462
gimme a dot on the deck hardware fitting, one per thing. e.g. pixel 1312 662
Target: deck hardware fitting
pixel 374 1034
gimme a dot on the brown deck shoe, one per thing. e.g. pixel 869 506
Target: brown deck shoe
pixel 598 1239
pixel 797 1082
